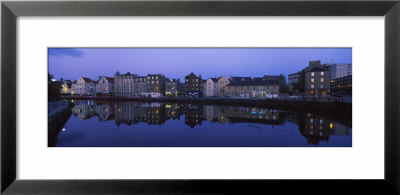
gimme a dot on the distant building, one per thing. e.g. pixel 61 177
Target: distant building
pixel 253 89
pixel 155 85
pixel 124 84
pixel 84 86
pixel 341 86
pixel 222 82
pixel 317 81
pixel 173 87
pixel 193 85
pixel 211 87
pixel 105 86
pixel 340 70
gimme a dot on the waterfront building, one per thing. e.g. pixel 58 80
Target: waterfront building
pixel 140 86
pixel 281 79
pixel 341 86
pixel 317 81
pixel 340 70
pixel 253 89
pixel 295 82
pixel 84 86
pixel 211 87
pixel 173 87
pixel 155 84
pixel 239 79
pixel 222 82
pixel 193 85
pixel 66 87
pixel 124 84
pixel 105 86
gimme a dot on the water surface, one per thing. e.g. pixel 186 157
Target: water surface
pixel 134 124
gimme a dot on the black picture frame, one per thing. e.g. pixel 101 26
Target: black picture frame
pixel 10 10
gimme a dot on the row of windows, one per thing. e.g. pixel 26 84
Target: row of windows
pixel 321 86
pixel 322 74
pixel 321 80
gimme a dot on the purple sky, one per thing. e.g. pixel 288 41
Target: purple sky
pixel 70 63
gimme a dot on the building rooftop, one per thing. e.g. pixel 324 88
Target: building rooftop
pixel 254 83
pixel 317 69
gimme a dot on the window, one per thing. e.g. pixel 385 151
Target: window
pixel 312 80
pixel 312 86
pixel 322 73
pixel 322 80
pixel 312 74
pixel 322 86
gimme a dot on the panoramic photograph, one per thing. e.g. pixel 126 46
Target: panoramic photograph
pixel 199 97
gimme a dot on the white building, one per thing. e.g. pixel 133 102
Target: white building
pixel 340 70
pixel 222 82
pixel 83 86
pixel 105 86
pixel 211 87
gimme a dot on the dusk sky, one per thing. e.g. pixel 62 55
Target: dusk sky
pixel 71 63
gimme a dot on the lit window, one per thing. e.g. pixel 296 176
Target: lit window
pixel 322 80
pixel 312 74
pixel 312 86
pixel 322 73
pixel 312 80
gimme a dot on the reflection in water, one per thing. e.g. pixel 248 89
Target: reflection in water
pixel 219 125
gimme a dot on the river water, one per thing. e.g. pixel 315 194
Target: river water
pixel 134 124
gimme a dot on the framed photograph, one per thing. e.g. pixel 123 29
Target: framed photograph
pixel 221 97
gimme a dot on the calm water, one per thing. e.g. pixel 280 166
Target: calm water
pixel 130 124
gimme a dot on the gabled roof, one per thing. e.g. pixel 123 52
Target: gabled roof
pixel 109 79
pixel 87 80
pixel 213 79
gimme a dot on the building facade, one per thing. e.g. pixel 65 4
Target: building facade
pixel 253 89
pixel 124 84
pixel 140 86
pixel 211 87
pixel 222 82
pixel 193 85
pixel 173 88
pixel 317 81
pixel 340 70
pixel 84 86
pixel 281 79
pixel 341 86
pixel 155 85
pixel 105 86
pixel 295 83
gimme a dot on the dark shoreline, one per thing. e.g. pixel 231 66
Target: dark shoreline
pixel 340 110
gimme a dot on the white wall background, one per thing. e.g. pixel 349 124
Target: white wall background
pixel 365 160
